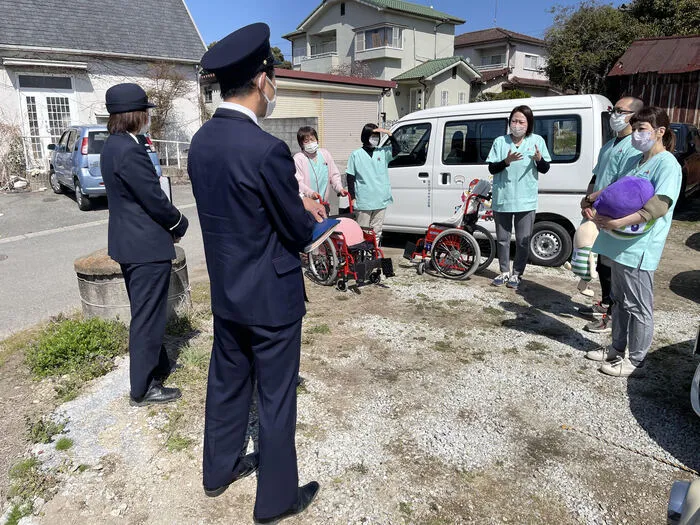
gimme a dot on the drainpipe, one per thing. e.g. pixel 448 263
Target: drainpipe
pixel 425 91
pixel 414 48
pixel 435 28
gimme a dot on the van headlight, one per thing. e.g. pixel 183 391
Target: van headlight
pixel 679 491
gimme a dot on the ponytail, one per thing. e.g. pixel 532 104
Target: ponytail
pixel 669 139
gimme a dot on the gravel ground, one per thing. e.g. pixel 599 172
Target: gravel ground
pixel 426 401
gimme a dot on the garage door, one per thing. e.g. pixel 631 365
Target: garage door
pixel 344 115
pixel 297 104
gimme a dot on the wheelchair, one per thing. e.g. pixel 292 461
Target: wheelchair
pixel 351 253
pixel 458 247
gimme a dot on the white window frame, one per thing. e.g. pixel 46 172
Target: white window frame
pixel 528 65
pixel 462 97
pixel 444 98
pixel 396 38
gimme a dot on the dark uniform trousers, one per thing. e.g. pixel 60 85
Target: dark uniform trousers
pixel 271 354
pixel 147 286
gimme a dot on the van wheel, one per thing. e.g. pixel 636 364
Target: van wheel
pixel 83 201
pixel 55 185
pixel 550 244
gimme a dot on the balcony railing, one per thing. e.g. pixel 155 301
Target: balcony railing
pixel 487 67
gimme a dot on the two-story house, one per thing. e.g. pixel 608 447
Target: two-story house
pixel 57 64
pixel 506 60
pixel 409 43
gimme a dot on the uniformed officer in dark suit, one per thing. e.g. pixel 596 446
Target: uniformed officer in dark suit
pixel 254 225
pixel 143 225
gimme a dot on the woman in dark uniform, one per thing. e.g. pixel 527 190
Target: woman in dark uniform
pixel 143 225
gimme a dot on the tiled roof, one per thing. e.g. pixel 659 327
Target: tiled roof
pixel 495 34
pixel 490 74
pixel 429 68
pixel 321 77
pixel 399 6
pixel 160 28
pixel 675 54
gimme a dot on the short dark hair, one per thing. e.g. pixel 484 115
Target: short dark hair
pixel 525 110
pixel 304 132
pixel 129 122
pixel 658 118
pixel 636 104
pixel 367 132
pixel 248 87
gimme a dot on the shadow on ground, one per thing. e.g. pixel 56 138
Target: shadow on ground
pixel 687 285
pixel 660 401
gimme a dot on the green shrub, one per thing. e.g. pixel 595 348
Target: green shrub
pixel 64 443
pixel 75 346
pixel 42 430
pixel 181 325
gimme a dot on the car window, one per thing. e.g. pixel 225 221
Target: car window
pixel 63 141
pixel 414 140
pixel 96 141
pixel 72 140
pixel 470 141
pixel 605 127
pixel 562 134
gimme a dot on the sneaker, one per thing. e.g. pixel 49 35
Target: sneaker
pixel 501 279
pixel 604 353
pixel 600 326
pixel 513 282
pixel 596 310
pixel 622 367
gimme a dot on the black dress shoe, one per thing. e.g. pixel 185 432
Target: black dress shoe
pixel 245 467
pixel 307 493
pixel 157 394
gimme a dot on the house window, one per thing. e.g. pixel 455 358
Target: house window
pixel 208 95
pixel 445 98
pixel 342 9
pixel 58 109
pixel 379 37
pixel 493 60
pixel 470 141
pixel 462 98
pixel 33 119
pixel 533 62
pixel 44 82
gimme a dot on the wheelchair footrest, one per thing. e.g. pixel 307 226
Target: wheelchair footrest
pixel 387 267
pixel 409 250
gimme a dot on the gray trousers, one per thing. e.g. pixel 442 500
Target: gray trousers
pixel 372 219
pixel 524 222
pixel 632 310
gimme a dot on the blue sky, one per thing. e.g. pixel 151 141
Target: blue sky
pixel 217 18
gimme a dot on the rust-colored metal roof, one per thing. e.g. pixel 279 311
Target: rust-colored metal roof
pixel 667 55
pixel 490 74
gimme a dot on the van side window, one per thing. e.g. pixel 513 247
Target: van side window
pixel 469 141
pixel 605 127
pixel 414 140
pixel 562 134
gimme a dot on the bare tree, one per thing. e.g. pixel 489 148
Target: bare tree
pixel 356 68
pixel 166 84
pixel 12 159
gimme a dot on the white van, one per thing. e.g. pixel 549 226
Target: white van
pixel 444 149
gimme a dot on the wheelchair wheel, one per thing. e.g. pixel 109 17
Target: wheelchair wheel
pixel 342 286
pixel 487 245
pixel 323 263
pixel 455 254
pixel 375 277
pixel 420 269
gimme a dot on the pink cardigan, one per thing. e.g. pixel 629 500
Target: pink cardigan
pixel 303 174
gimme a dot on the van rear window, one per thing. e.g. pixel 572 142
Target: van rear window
pixel 96 141
pixel 562 134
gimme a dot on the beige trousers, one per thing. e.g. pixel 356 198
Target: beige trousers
pixel 372 219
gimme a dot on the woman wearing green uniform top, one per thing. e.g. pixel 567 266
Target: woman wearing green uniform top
pixel 635 259
pixel 368 177
pixel 515 161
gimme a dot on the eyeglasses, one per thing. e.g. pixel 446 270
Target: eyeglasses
pixel 618 111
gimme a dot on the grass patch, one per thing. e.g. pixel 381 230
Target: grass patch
pixel 28 481
pixel 83 347
pixel 18 512
pixel 301 389
pixel 64 443
pixel 453 302
pixel 181 325
pixel 194 359
pixel 175 441
pixel 510 350
pixel 43 429
pixel 405 509
pixel 360 468
pixel 200 293
pixel 320 329
pixel 443 346
pixel 494 312
pixel 17 342
pixel 536 346
pixel 178 442
pixel 342 298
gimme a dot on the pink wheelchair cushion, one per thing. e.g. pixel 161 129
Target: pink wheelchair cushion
pixel 351 230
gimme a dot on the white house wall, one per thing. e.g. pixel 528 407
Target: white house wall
pixel 518 61
pixel 453 86
pixel 90 86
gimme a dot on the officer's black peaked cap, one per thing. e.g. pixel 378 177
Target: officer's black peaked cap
pixel 237 58
pixel 123 98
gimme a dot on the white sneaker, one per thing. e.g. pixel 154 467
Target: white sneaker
pixel 622 367
pixel 604 353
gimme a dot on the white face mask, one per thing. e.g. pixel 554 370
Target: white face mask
pixel 374 141
pixel 311 147
pixel 270 102
pixel 518 131
pixel 618 122
pixel 643 140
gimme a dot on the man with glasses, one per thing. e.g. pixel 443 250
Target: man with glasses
pixel 611 159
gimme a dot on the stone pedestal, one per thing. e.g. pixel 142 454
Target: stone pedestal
pixel 103 293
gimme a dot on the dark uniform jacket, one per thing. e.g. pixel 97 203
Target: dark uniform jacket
pixel 142 221
pixel 253 222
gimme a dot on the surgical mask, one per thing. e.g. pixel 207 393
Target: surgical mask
pixel 618 122
pixel 311 147
pixel 270 102
pixel 374 141
pixel 643 140
pixel 518 131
